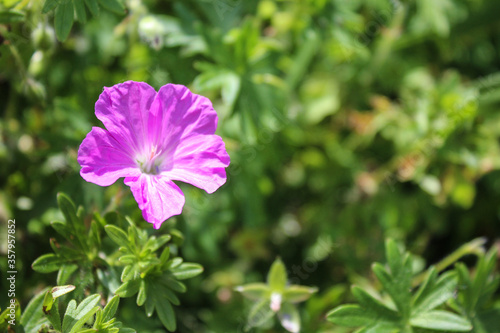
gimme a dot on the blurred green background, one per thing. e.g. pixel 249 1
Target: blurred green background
pixel 346 122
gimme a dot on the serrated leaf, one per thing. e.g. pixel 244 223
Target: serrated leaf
pixel 398 286
pixel 129 288
pixel 187 270
pixel 373 305
pixel 49 5
pixel 255 291
pixel 295 293
pixel 80 11
pixel 117 235
pixel 277 276
pixel 289 317
pixel 436 294
pixel 166 314
pixel 113 5
pixel 441 320
pixel 110 308
pixel 48 263
pixel 350 315
pixel 83 319
pixel 93 6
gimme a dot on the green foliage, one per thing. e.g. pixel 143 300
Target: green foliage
pixel 65 11
pixel 154 278
pixel 275 297
pixel 347 122
pixel 399 309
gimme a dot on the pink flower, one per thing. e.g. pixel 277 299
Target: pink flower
pixel 153 138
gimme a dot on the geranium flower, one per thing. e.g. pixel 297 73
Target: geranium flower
pixel 152 139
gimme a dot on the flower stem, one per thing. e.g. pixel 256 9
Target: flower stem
pixel 475 246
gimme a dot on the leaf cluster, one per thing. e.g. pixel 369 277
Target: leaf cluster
pixel 433 306
pixel 66 11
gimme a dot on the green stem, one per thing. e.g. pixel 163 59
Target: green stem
pixel 475 246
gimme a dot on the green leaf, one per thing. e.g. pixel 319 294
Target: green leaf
pixel 289 317
pixel 260 313
pixel 187 270
pixel 117 235
pixel 129 288
pixel 80 11
pixel 93 6
pixel 255 291
pixel 441 320
pixel 94 235
pixel 48 300
pixel 65 272
pixel 67 206
pixel 166 314
pixel 435 294
pixel 84 318
pixel 69 316
pixel 373 306
pixel 63 229
pixel 54 317
pixel 33 315
pixel 110 308
pixel 113 5
pixel 350 315
pixel 76 317
pixel 142 294
pixel 48 263
pixel 295 293
pixel 49 5
pixel 277 277
pixel 11 16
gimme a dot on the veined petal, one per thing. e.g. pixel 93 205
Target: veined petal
pixel 103 159
pixel 123 109
pixel 157 196
pixel 177 114
pixel 200 161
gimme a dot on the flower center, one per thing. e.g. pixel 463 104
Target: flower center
pixel 149 163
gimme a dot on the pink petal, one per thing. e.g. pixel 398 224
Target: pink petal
pixel 200 161
pixel 158 197
pixel 123 109
pixel 177 114
pixel 103 159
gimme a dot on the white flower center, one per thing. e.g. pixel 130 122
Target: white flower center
pixel 150 161
pixel 275 302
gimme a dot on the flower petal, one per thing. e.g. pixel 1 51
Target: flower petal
pixel 200 161
pixel 157 196
pixel 123 109
pixel 177 114
pixel 103 159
